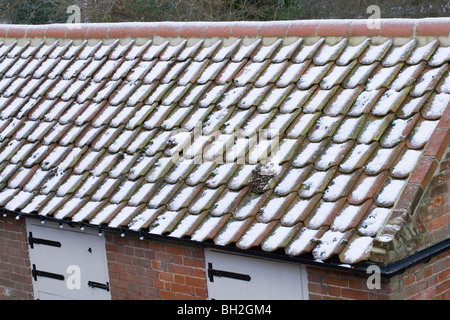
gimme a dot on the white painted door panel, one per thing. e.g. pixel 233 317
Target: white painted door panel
pixel 79 258
pixel 269 280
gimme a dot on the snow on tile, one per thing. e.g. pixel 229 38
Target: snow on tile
pixel 379 161
pixel 374 221
pixel 155 50
pixel 398 54
pixel 347 129
pixel 34 205
pixel 357 250
pixel 323 126
pixel 225 203
pixel 270 74
pixel 163 222
pixel 278 238
pixel 241 177
pixel 441 55
pixel 362 189
pixel 272 208
pixel 303 241
pixel 302 125
pixel 106 187
pixel 142 219
pixel 159 168
pixel 172 51
pixel 231 97
pixel 204 199
pixel 376 52
pixel 142 193
pixel 206 52
pixel 352 52
pixel 291 74
pixel 140 167
pixel 265 52
pixel 185 226
pixel 330 155
pixel 318 100
pixel 212 95
pixel 224 53
pixel 438 105
pixel 289 181
pixel 407 163
pixel 322 213
pixel 312 76
pixel 124 190
pixel 252 97
pixel 390 192
pixel 359 76
pixel 220 174
pixel 423 52
pixel 422 133
pixel 286 51
pixel 251 236
pixel 406 77
pixel 230 231
pixel 328 245
pixel 371 130
pixel 182 197
pixel 389 101
pixel 328 52
pixel 70 185
pixel 192 72
pixel 307 51
pixel 346 217
pixel 336 188
pixel 159 197
pixel 308 154
pixel 211 72
pixel 313 183
pixel 51 206
pixel 428 80
pixel 396 133
pixel 206 229
pixel 250 72
pixel 124 214
pixel 229 71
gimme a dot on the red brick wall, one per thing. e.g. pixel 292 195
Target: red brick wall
pixel 424 281
pixel 433 213
pixel 15 270
pixel 148 269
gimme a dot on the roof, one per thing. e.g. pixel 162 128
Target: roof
pixel 300 137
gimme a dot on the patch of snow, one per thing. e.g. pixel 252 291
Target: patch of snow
pixel 390 192
pixel 374 221
pixel 407 163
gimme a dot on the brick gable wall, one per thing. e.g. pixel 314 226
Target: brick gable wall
pixel 148 269
pixel 15 270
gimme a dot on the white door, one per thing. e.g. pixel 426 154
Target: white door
pixel 67 263
pixel 237 277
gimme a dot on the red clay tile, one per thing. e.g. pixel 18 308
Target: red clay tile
pixel 146 31
pixel 75 33
pixel 192 31
pixel 97 32
pixel 275 30
pixel 119 31
pixel 245 30
pixel 424 171
pixel 361 28
pixel 332 29
pixel 434 28
pixel 167 30
pixel 35 32
pixel 438 144
pixel 16 32
pixel 221 31
pixel 302 28
pixel 397 29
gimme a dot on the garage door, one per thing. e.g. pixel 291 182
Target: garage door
pixel 67 263
pixel 232 276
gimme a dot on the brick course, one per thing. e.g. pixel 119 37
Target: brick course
pixel 152 270
pixel 15 270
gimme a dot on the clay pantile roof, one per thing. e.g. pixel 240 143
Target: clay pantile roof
pixel 134 127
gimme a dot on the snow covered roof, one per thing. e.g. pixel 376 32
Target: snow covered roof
pixel 300 137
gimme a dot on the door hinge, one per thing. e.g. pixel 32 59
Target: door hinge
pixel 32 241
pixel 93 284
pixel 39 273
pixel 226 274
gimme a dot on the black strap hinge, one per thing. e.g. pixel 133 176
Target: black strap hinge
pixel 226 274
pixel 46 242
pixel 93 284
pixel 39 273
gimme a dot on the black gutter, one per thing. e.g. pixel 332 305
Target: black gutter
pixel 388 271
